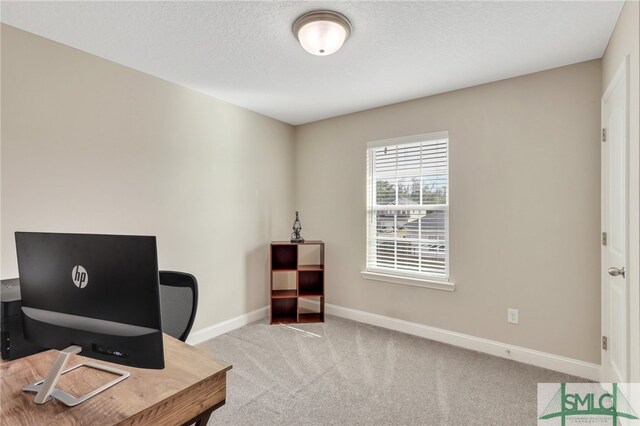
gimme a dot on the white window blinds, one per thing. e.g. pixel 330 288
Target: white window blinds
pixel 408 206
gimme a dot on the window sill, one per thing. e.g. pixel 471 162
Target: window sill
pixel 433 283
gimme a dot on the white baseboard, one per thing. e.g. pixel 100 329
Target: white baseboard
pixel 528 356
pixel 227 326
pixel 503 350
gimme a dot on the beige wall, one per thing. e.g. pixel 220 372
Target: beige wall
pixel 624 41
pixel 91 146
pixel 525 208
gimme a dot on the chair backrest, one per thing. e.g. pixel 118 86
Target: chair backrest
pixel 179 302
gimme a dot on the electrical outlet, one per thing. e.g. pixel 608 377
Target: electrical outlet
pixel 512 316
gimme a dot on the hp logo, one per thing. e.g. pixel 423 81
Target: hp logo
pixel 79 276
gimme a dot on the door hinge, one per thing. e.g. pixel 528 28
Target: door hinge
pixel 604 238
pixel 604 342
pixel 604 135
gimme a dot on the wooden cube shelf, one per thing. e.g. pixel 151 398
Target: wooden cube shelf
pixel 286 257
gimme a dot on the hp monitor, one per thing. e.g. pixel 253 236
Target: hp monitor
pixel 98 294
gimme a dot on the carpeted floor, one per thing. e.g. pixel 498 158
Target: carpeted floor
pixel 347 373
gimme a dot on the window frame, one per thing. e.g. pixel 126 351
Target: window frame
pixel 414 278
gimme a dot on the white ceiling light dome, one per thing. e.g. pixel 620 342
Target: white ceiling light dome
pixel 322 32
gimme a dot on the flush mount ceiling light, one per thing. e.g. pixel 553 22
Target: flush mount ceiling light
pixel 322 32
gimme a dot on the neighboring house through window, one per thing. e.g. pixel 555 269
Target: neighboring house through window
pixel 408 207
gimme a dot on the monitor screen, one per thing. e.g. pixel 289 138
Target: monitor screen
pixel 100 292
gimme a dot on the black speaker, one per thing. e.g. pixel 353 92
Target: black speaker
pixel 12 339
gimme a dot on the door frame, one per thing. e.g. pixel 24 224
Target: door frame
pixel 623 72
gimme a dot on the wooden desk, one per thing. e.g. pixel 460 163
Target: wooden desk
pixel 190 387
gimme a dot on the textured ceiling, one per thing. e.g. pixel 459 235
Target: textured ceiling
pixel 244 52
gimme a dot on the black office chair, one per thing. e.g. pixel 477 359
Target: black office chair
pixel 179 302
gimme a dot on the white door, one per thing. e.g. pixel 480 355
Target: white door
pixel 615 317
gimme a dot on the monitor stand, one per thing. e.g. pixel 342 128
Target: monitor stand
pixel 46 388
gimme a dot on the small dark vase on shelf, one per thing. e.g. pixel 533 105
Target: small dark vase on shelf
pixel 295 235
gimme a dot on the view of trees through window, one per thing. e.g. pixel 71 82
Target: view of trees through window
pixel 410 191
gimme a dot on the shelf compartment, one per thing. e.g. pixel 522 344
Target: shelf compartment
pixel 310 294
pixel 283 320
pixel 284 257
pixel 284 294
pixel 311 309
pixel 310 317
pixel 283 280
pixel 310 254
pixel 284 310
pixel 311 282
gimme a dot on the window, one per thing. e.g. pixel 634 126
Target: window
pixel 408 207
